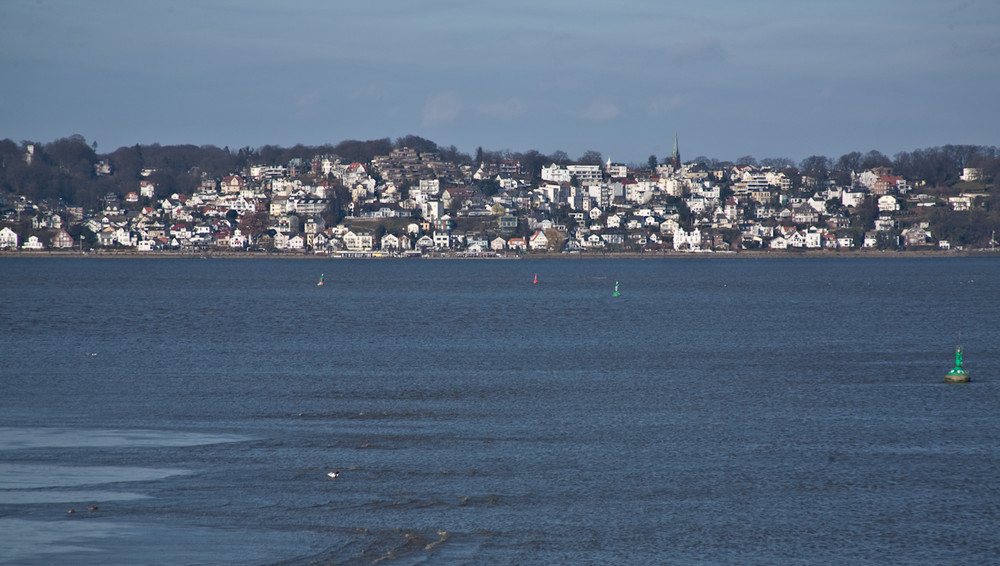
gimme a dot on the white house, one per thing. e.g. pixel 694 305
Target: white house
pixel 585 174
pixel 394 242
pixel 147 189
pixel 238 240
pixel 555 173
pixel 441 239
pixel 538 241
pixel 797 239
pixel 868 179
pixel 687 240
pixel 779 243
pixel 106 237
pixel 814 238
pixel 358 241
pixel 296 242
pixel 852 199
pixel 817 204
pixel 971 174
pixel 432 210
pixel 280 240
pixel 669 226
pixel 960 203
pixel 320 241
pixel 125 237
pixel 887 203
pixel 33 244
pixel 8 239
pixel 389 242
pixel 477 241
pixel 884 223
pixel 696 204
pixel 616 170
pixel 147 245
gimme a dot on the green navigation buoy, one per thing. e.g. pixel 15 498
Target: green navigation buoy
pixel 617 294
pixel 957 373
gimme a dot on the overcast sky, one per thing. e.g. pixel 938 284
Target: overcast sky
pixel 731 78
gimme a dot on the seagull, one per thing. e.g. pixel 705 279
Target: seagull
pixel 333 474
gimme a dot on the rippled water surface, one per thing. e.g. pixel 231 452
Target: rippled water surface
pixel 720 411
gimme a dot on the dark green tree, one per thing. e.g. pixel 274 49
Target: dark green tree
pixel 417 143
pixel 489 187
pixel 865 214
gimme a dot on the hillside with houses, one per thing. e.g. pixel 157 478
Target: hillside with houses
pixel 413 201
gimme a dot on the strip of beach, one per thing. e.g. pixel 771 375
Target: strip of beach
pixel 750 254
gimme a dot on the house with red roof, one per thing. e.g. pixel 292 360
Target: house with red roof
pixel 232 184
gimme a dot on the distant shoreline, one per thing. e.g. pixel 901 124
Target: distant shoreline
pixel 749 254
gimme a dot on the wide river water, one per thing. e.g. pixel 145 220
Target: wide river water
pixel 720 411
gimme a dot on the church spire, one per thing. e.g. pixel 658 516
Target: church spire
pixel 675 157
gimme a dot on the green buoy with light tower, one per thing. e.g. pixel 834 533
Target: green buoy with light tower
pixel 958 373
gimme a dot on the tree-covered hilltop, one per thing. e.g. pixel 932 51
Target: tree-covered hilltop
pixel 69 169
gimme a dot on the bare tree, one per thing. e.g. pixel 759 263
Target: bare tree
pixel 591 157
pixel 849 162
pixel 874 159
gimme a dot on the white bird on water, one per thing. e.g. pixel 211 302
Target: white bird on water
pixel 333 474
